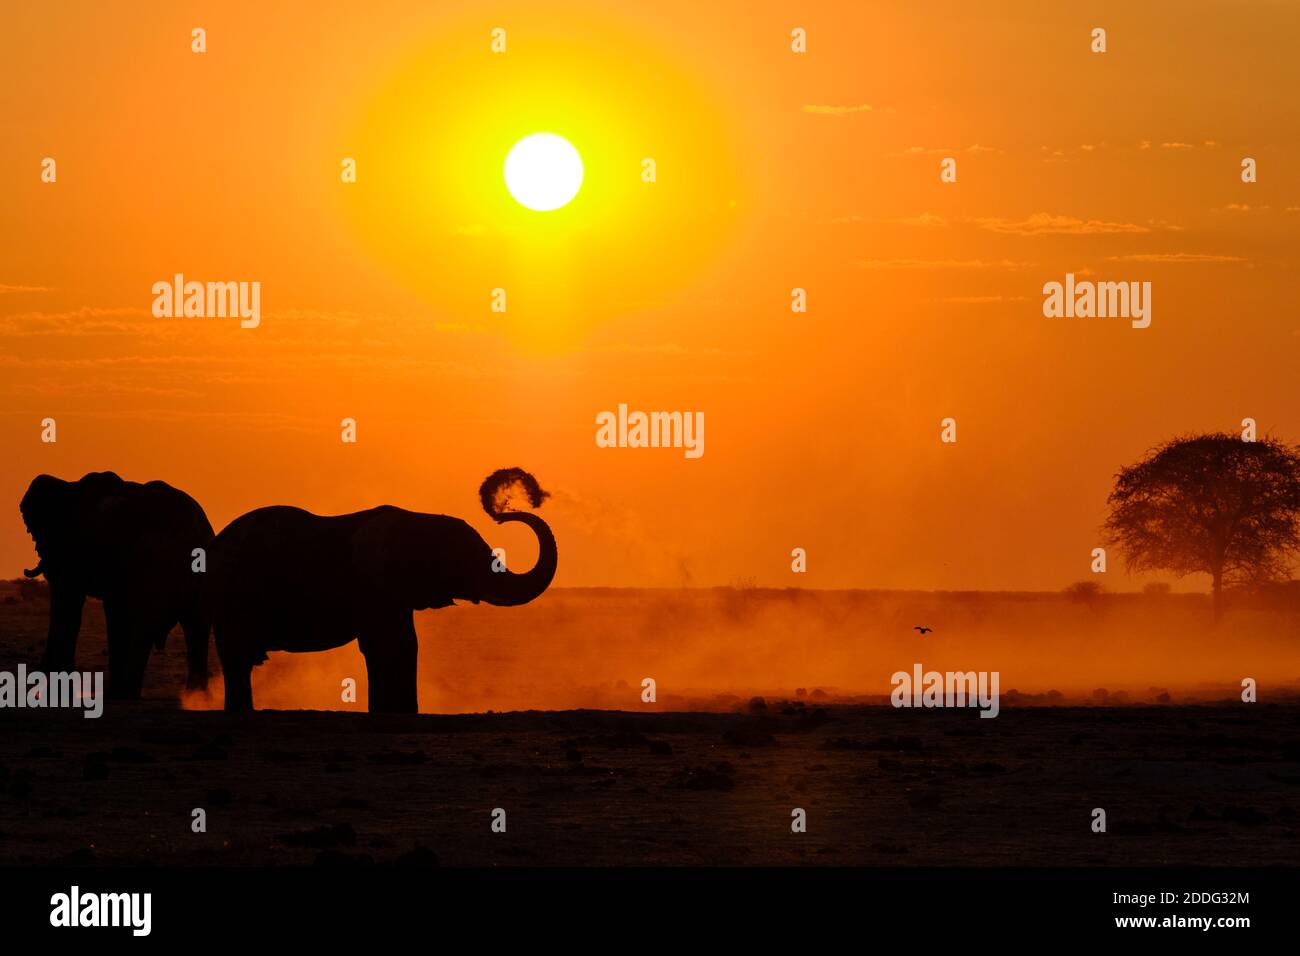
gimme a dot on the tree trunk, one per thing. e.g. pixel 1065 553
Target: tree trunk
pixel 1218 594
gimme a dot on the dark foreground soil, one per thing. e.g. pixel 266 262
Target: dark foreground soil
pixel 1180 785
pixel 1215 784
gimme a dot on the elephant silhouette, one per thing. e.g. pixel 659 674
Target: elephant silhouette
pixel 131 546
pixel 284 579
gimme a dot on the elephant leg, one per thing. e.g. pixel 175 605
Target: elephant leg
pixel 123 679
pixel 236 669
pixel 133 631
pixel 196 650
pixel 390 649
pixel 138 650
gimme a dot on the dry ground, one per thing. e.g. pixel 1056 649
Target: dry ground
pixel 1210 784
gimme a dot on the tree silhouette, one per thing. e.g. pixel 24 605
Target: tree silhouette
pixel 1210 503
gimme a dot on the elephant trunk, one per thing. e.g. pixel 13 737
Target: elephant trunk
pixel 35 572
pixel 66 604
pixel 507 588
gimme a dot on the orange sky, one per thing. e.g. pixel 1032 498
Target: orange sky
pixel 822 429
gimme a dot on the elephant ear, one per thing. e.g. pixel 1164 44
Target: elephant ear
pixel 48 507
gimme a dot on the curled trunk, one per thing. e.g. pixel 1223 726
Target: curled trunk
pixel 508 589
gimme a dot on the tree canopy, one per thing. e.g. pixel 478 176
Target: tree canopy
pixel 1213 503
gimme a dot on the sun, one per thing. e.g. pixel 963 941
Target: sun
pixel 543 171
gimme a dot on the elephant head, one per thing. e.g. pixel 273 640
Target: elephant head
pixel 430 561
pixel 66 520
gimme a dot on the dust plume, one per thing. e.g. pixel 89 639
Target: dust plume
pixel 715 649
pixel 499 487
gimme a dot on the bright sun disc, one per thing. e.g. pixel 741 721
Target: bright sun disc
pixel 543 171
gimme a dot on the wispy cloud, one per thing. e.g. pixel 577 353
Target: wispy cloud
pixel 941 264
pixel 921 219
pixel 837 110
pixel 927 219
pixel 661 348
pixel 1066 154
pixel 1175 257
pixel 1037 224
pixel 1046 224
pixel 23 288
pixel 978 299
pixel 943 150
pixel 84 321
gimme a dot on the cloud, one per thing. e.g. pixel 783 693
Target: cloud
pixel 944 150
pixel 165 362
pixel 1045 224
pixel 292 325
pixel 661 348
pixel 837 110
pixel 921 219
pixel 979 299
pixel 924 219
pixel 23 288
pixel 1054 154
pixel 1180 145
pixel 81 389
pixel 1038 224
pixel 234 419
pixel 1175 257
pixel 83 321
pixel 941 264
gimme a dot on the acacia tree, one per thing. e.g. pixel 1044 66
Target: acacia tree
pixel 1210 503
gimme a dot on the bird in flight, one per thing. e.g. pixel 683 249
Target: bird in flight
pixel 923 630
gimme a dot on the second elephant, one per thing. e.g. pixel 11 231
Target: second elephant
pixel 284 579
pixel 132 546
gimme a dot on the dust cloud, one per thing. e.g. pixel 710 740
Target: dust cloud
pixel 715 649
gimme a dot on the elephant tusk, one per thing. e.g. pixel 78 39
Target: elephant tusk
pixel 35 572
